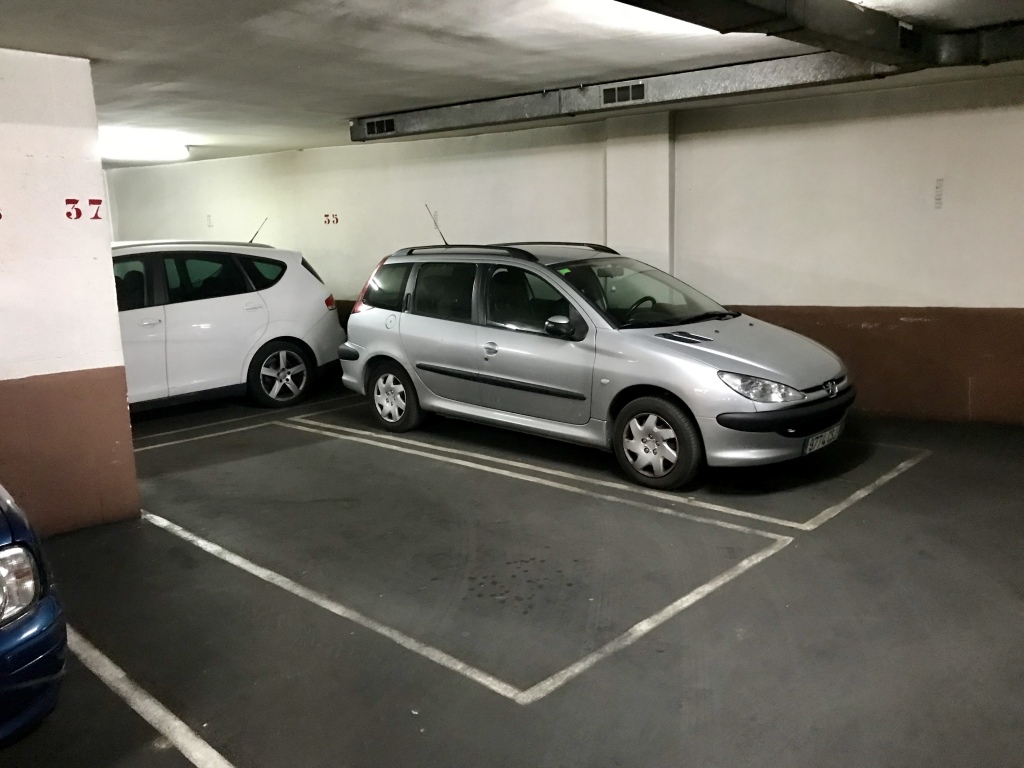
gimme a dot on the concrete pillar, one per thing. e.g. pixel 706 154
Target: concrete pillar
pixel 65 438
pixel 638 181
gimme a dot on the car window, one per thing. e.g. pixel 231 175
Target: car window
pixel 386 288
pixel 132 284
pixel 445 291
pixel 263 273
pixel 521 301
pixel 194 277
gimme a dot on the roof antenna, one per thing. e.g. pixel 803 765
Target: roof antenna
pixel 433 218
pixel 251 239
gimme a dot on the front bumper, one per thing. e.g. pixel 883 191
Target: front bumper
pixel 795 421
pixel 33 651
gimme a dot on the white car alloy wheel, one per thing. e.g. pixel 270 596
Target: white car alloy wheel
pixel 650 444
pixel 389 398
pixel 283 375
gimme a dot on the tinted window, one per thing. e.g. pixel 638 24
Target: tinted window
pixel 445 291
pixel 194 277
pixel 386 288
pixel 262 272
pixel 132 283
pixel 521 301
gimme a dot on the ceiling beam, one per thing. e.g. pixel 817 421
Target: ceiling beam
pixel 651 92
pixel 847 27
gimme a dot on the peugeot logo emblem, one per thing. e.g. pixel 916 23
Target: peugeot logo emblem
pixel 831 387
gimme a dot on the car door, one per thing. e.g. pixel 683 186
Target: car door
pixel 438 333
pixel 143 328
pixel 524 369
pixel 214 318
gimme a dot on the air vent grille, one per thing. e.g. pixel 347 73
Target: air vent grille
pixel 380 127
pixel 685 337
pixel 624 93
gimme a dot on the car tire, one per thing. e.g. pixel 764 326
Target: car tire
pixel 393 398
pixel 280 374
pixel 657 443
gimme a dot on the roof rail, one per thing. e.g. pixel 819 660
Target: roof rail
pixel 507 250
pixel 230 243
pixel 592 246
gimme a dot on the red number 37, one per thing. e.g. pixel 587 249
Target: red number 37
pixel 74 212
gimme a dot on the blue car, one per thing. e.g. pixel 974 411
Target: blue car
pixel 33 637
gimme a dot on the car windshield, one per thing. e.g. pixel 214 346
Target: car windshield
pixel 631 294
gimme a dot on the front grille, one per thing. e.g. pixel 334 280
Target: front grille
pixel 840 386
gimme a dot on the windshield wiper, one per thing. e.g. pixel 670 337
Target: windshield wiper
pixel 709 316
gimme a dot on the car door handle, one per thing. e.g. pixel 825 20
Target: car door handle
pixel 490 348
pixel 155 321
pixel 251 307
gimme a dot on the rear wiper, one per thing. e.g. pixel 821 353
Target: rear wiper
pixel 709 316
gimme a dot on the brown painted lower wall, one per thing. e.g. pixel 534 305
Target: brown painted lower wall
pixel 66 448
pixel 946 364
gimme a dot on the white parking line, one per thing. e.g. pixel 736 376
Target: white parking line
pixel 187 741
pixel 536 480
pixel 271 415
pixel 856 496
pixel 688 500
pixel 206 437
pixel 509 691
pixel 810 525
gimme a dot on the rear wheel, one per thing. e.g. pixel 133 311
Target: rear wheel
pixel 657 443
pixel 280 374
pixel 394 399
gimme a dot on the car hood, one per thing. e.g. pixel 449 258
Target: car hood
pixel 752 347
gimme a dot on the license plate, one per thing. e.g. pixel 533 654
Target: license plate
pixel 820 440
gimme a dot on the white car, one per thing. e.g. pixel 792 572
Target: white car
pixel 222 318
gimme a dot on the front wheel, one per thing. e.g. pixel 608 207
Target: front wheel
pixel 394 399
pixel 657 443
pixel 280 374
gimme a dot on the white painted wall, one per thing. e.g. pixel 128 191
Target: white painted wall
pixel 58 311
pixel 832 201
pixel 813 201
pixel 544 184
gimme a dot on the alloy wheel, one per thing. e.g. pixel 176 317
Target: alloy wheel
pixel 650 444
pixel 283 376
pixel 389 398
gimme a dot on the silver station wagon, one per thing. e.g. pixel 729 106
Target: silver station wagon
pixel 575 342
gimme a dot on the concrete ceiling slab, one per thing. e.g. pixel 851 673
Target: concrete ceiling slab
pixel 951 14
pixel 263 75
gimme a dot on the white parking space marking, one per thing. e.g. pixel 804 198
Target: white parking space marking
pixel 187 741
pixel 509 691
pixel 637 631
pixel 536 480
pixel 853 498
pixel 206 437
pixel 689 501
pixel 810 525
pixel 427 651
pixel 271 415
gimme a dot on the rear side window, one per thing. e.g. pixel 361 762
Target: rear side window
pixel 263 273
pixel 194 277
pixel 445 291
pixel 386 288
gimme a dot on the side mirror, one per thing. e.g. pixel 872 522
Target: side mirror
pixel 559 326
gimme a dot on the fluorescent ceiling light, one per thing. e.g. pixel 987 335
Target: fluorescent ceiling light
pixel 128 144
pixel 628 18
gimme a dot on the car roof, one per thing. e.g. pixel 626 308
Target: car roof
pixel 117 245
pixel 541 252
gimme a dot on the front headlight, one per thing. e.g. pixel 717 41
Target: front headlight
pixel 760 390
pixel 19 585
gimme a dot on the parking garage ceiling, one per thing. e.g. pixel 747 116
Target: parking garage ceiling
pixel 261 75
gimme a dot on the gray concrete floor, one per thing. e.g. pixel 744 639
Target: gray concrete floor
pixel 887 635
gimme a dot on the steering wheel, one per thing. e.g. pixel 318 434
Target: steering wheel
pixel 636 304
